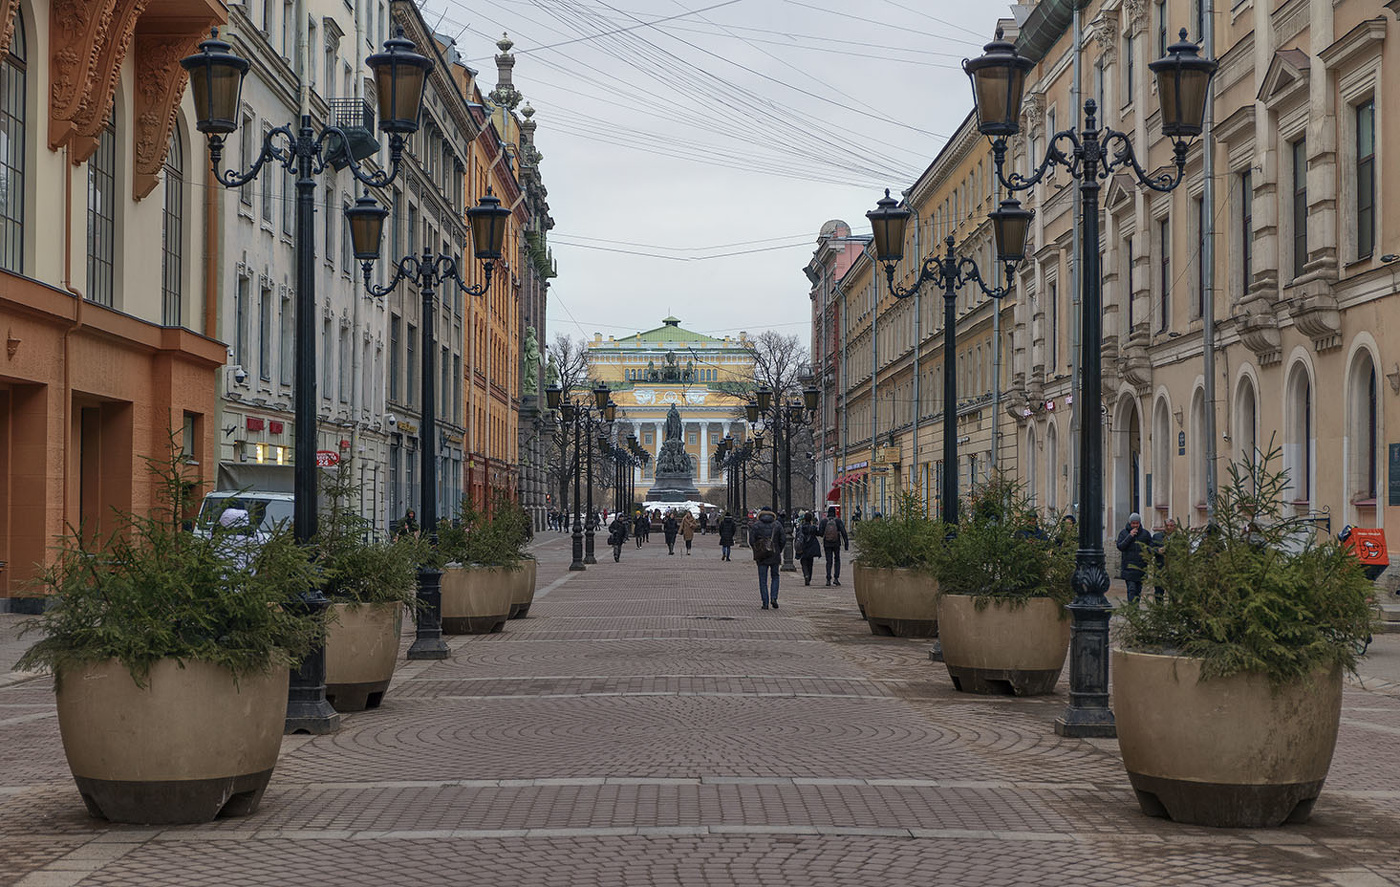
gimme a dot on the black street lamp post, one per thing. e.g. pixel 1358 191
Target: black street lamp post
pixel 781 417
pixel 216 83
pixel 582 416
pixel 1091 156
pixel 950 273
pixel 488 223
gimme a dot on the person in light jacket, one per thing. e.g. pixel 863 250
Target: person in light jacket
pixel 688 531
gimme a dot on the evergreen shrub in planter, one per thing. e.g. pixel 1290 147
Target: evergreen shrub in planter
pixel 1228 691
pixel 894 583
pixel 170 654
pixel 483 553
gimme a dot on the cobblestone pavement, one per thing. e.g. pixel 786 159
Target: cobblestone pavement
pixel 648 724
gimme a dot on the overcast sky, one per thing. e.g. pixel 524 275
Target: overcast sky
pixel 693 148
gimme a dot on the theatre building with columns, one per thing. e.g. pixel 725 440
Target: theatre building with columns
pixel 702 376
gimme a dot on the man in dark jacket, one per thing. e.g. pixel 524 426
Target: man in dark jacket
pixel 833 533
pixel 767 540
pixel 727 528
pixel 617 534
pixel 639 528
pixel 670 526
pixel 1131 542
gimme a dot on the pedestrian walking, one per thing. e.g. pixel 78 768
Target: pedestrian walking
pixel 704 523
pixel 639 528
pixel 617 534
pixel 808 546
pixel 834 538
pixel 409 525
pixel 856 518
pixel 767 540
pixel 669 528
pixel 688 531
pixel 1159 553
pixel 727 528
pixel 1133 564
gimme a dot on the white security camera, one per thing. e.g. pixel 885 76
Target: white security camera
pixel 391 420
pixel 239 375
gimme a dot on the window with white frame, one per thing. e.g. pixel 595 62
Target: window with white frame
pixel 172 233
pixel 1298 433
pixel 1298 196
pixel 13 141
pixel 1364 118
pixel 1364 431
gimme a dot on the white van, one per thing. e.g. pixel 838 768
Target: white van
pixel 265 510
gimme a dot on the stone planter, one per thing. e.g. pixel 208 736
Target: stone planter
pixel 1234 752
pixel 899 602
pixel 999 649
pixel 524 591
pixel 362 648
pixel 476 599
pixel 192 745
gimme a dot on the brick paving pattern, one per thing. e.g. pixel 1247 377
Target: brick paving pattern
pixel 647 724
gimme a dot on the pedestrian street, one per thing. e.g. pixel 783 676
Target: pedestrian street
pixel 648 724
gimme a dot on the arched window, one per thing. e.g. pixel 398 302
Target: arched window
pixel 102 216
pixel 1298 434
pixel 1052 469
pixel 1162 456
pixel 1197 458
pixel 1031 473
pixel 1364 413
pixel 13 83
pixel 1246 423
pixel 172 233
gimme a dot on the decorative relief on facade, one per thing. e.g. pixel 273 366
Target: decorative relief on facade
pixel 77 34
pixel 1104 31
pixel 95 108
pixel 7 23
pixel 1033 113
pixel 1259 332
pixel 1318 318
pixel 644 395
pixel 1135 13
pixel 695 397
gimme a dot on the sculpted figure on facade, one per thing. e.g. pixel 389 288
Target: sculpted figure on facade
pixel 530 372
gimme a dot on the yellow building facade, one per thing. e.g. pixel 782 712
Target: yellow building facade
pixel 704 377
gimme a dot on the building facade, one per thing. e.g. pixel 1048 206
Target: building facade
pixel 110 336
pixel 705 378
pixel 1276 234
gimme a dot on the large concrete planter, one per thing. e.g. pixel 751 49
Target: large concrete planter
pixel 899 602
pixel 192 745
pixel 1234 752
pixel 362 648
pixel 475 600
pixel 524 590
pixel 1000 649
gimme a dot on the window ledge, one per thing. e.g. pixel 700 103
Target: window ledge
pixel 1364 503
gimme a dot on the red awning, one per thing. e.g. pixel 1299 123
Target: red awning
pixel 834 495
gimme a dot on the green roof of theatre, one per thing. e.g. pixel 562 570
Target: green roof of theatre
pixel 669 331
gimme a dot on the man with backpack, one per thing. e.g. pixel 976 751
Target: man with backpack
pixel 834 538
pixel 766 540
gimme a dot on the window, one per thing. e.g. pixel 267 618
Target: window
pixel 1161 28
pixel 327 362
pixel 240 322
pixel 268 183
pixel 12 141
pixel 1298 439
pixel 265 334
pixel 412 232
pixel 1364 431
pixel 412 365
pixel 1198 215
pixel 172 233
pixel 1299 152
pixel 393 393
pixel 345 252
pixel 288 203
pixel 288 30
pixel 345 375
pixel 1128 277
pixel 101 235
pixel 1366 179
pixel 267 17
pixel 284 370
pixel 1164 243
pixel 1246 232
pixel 245 147
pixel 330 227
pixel 1129 67
pixel 1052 344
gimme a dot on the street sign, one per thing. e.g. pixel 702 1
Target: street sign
pixel 327 458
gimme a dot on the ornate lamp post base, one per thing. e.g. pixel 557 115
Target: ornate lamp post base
pixel 307 708
pixel 429 643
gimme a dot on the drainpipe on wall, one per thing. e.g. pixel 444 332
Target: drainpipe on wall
pixel 1208 263
pixel 1075 344
pixel 874 369
pixel 78 301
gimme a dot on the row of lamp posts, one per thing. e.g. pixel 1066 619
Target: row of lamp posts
pixel 582 416
pixel 400 72
pixel 782 417
pixel 1090 154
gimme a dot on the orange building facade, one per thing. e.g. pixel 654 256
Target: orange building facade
pixel 107 351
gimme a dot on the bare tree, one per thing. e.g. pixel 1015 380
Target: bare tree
pixel 779 362
pixel 568 359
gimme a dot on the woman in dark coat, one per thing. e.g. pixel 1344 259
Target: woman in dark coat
pixel 808 545
pixel 670 527
pixel 727 528
pixel 639 528
pixel 617 534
